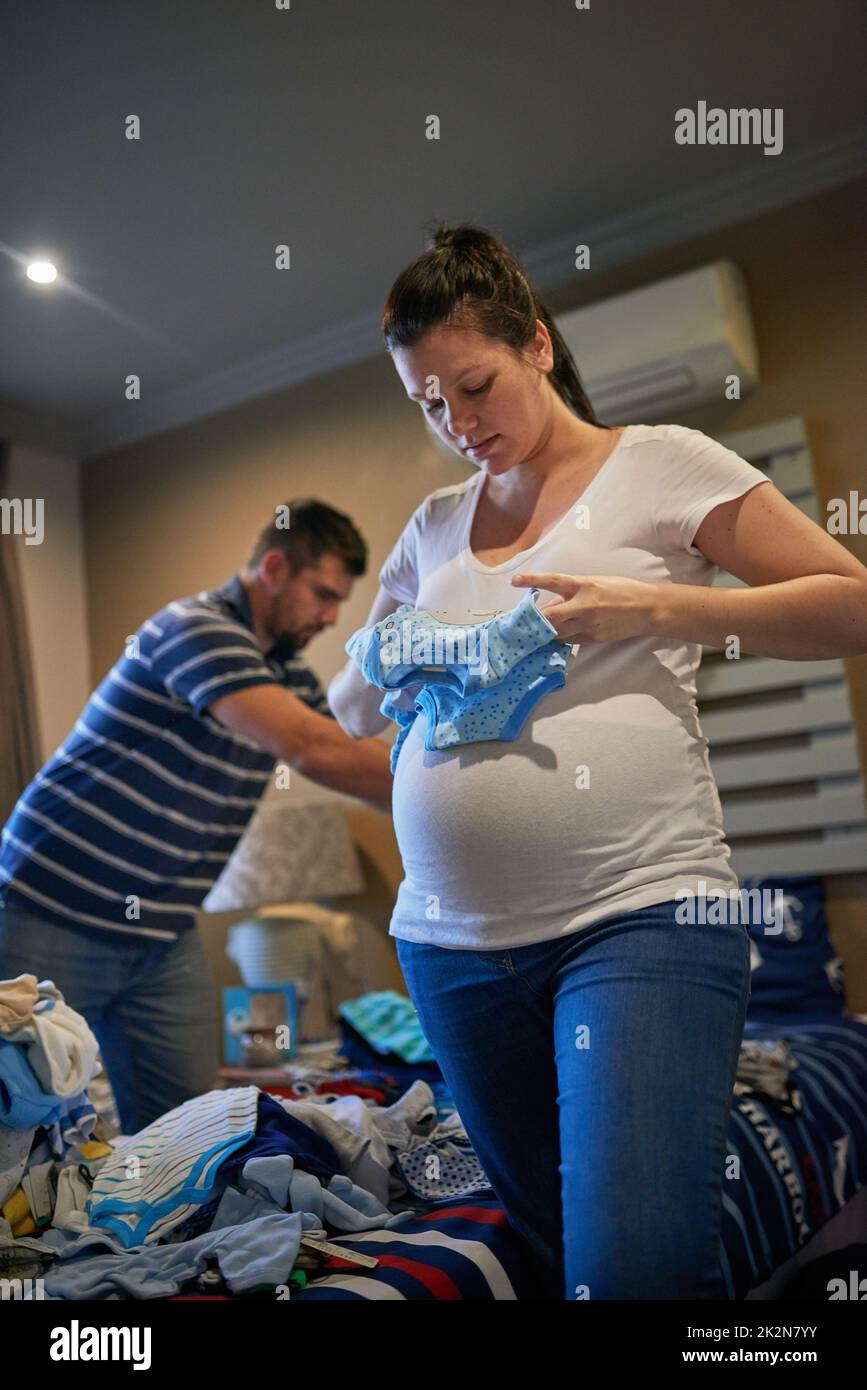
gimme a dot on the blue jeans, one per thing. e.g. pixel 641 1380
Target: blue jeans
pixel 594 1074
pixel 149 1003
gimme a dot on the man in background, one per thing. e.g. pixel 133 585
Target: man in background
pixel 115 843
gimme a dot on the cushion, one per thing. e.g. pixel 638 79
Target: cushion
pixel 794 966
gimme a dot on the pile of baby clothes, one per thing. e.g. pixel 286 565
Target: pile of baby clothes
pixel 232 1186
pixel 472 682
pixel 231 1193
pixel 441 1165
pixel 51 1144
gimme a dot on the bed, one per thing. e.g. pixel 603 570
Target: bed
pixel 795 1190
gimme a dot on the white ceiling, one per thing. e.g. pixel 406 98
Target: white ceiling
pixel 306 126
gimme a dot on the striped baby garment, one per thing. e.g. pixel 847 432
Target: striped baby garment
pixel 157 1178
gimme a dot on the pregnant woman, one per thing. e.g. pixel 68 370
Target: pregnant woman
pixel 588 1033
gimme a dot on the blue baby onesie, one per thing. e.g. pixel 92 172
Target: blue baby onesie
pixel 489 678
pixel 500 712
pixel 412 644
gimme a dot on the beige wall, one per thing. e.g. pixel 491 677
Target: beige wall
pixel 177 513
pixel 52 579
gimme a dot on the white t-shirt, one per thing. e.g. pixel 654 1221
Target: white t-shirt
pixel 502 843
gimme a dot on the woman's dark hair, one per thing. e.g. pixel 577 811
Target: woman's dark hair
pixel 314 529
pixel 469 279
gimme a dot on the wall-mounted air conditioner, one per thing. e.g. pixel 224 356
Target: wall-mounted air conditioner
pixel 665 348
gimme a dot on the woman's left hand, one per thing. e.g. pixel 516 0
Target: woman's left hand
pixel 595 607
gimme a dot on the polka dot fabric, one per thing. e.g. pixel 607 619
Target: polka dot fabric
pixel 397 651
pixel 464 702
pixel 432 1171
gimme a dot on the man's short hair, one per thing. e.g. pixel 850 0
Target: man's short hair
pixel 305 529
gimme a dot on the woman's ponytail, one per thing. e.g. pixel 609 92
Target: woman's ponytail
pixel 468 278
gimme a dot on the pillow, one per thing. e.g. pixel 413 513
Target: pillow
pixel 794 966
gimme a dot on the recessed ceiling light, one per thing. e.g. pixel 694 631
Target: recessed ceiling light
pixel 43 272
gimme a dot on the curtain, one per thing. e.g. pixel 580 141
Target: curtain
pixel 19 738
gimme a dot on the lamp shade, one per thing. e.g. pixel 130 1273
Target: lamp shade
pixel 288 853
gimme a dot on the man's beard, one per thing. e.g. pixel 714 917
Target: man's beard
pixel 295 637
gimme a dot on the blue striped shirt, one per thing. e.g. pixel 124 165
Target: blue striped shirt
pixel 128 825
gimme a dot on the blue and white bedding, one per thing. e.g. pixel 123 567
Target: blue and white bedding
pixel 797 1170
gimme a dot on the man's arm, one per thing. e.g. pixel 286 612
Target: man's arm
pixel 314 744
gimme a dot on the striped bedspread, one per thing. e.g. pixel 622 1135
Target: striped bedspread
pixel 459 1250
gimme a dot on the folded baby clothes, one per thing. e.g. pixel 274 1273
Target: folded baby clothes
pixel 413 643
pixel 500 712
pixel 497 713
pixel 388 1021
pixel 489 678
